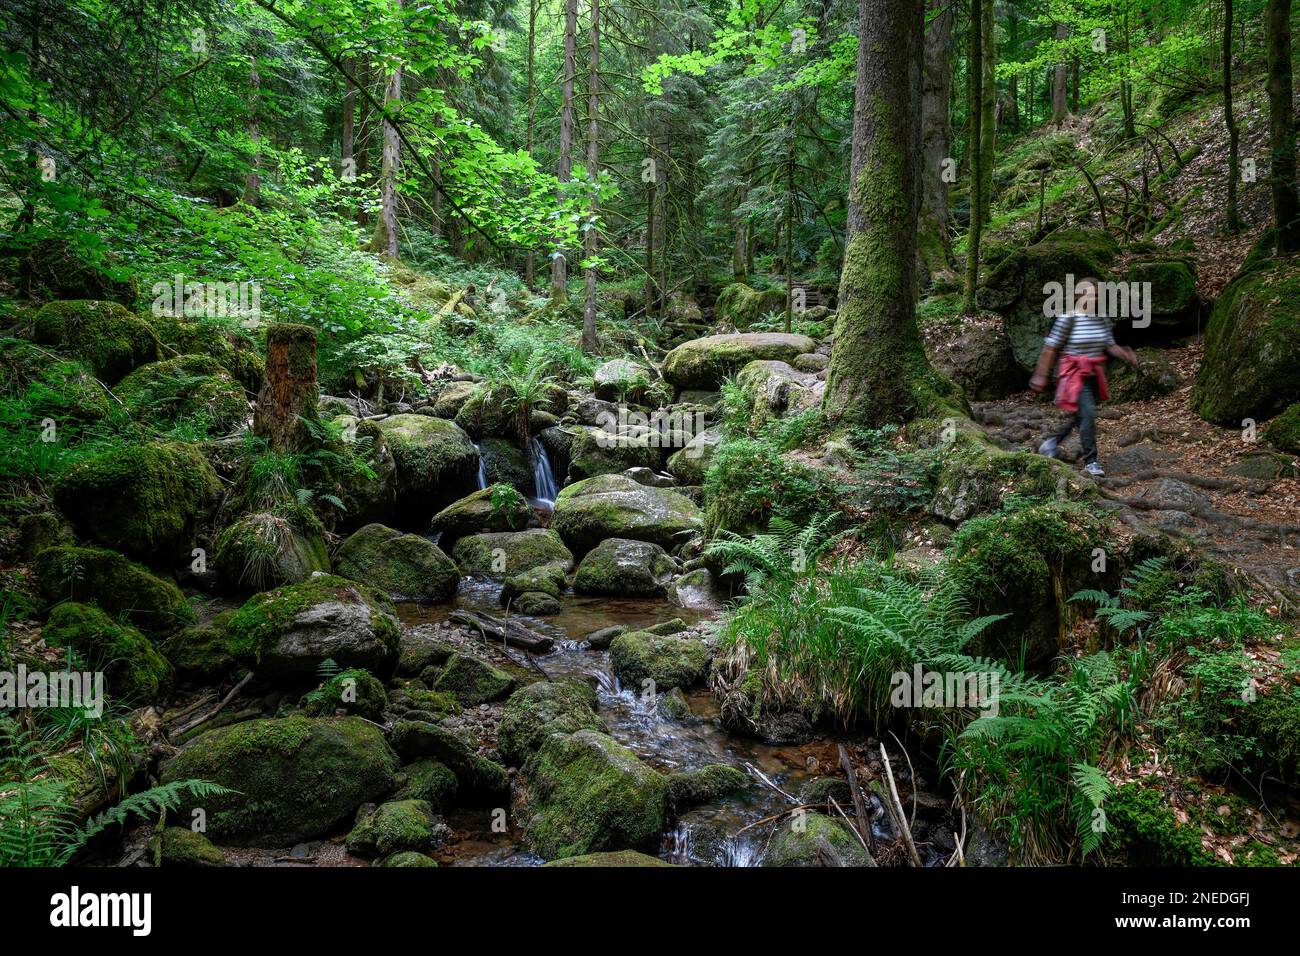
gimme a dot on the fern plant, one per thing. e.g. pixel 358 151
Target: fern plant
pixel 786 550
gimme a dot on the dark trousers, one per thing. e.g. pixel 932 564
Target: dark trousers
pixel 1085 419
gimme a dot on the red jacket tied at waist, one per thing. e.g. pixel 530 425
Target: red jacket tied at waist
pixel 1073 371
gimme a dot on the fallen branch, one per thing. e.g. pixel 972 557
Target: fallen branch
pixel 898 811
pixel 216 710
pixel 863 827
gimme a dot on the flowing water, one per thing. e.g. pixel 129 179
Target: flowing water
pixel 544 489
pixel 482 469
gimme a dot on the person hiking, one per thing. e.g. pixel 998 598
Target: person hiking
pixel 1083 338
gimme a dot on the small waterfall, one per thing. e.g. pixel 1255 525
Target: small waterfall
pixel 543 478
pixel 482 469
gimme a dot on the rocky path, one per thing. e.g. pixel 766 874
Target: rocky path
pixel 1233 495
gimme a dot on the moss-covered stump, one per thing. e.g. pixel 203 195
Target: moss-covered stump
pixel 704 363
pixel 393 827
pixel 505 553
pixel 427 780
pixel 437 464
pixel 615 506
pixel 145 500
pixel 287 400
pixel 1251 367
pixel 289 632
pixel 741 306
pixel 705 785
pixel 201 653
pixel 667 660
pixel 1155 376
pixel 485 511
pixel 621 567
pixel 298 777
pixel 407 567
pixel 52 386
pixel 1015 287
pixel 111 339
pixel 270 549
pixel 813 839
pixel 536 712
pixel 182 847
pixel 600 451
pixel 192 389
pixel 585 793
pixel 690 463
pixel 355 692
pixel 613 859
pixel 233 350
pixel 479 781
pixel 473 681
pixel 1174 302
pixel 134 670
pixel 122 588
pixel 1283 432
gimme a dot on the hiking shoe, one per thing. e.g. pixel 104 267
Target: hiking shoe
pixel 1048 448
pixel 1094 469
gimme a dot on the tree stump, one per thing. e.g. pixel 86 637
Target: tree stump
pixel 289 390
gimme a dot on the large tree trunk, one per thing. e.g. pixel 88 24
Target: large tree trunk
pixel 288 394
pixel 384 239
pixel 1281 127
pixel 878 363
pixel 253 181
pixel 564 170
pixel 1232 219
pixel 362 144
pixel 988 109
pixel 974 97
pixel 530 264
pixel 936 86
pixel 1060 89
pixel 593 169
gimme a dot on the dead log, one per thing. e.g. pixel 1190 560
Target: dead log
pixel 508 632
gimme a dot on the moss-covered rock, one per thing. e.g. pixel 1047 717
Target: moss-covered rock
pixel 393 827
pixel 621 567
pixel 298 777
pixel 813 839
pixel 133 668
pixel 772 390
pixel 741 306
pixel 979 359
pixel 1283 432
pixel 537 711
pixel 233 350
pixel 706 784
pixel 182 847
pixel 536 604
pixel 512 552
pixel 667 660
pixel 1174 301
pixel 42 530
pixel 612 859
pixel 1146 832
pixel 192 388
pixel 601 451
pixel 584 793
pixel 704 363
pixel 289 632
pixel 116 584
pixel 550 580
pixel 690 463
pixel 356 692
pixel 1155 376
pixel 504 463
pixel 621 380
pixel 615 506
pixel 485 414
pixel 50 385
pixel 452 397
pixel 111 339
pixel 1251 367
pixel 480 781
pixel 56 268
pixel 487 510
pixel 369 494
pixel 145 500
pixel 269 549
pixel 201 653
pixel 407 567
pixel 436 464
pixel 473 681
pixel 427 780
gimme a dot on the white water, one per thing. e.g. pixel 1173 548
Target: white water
pixel 482 470
pixel 543 479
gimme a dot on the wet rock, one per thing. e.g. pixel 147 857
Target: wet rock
pixel 506 553
pixel 537 604
pixel 421 647
pixel 482 512
pixel 541 710
pixel 354 692
pixel 650 477
pixel 201 653
pixel 814 840
pixel 668 661
pixel 547 580
pixel 600 639
pixel 825 789
pixel 614 506
pixel 609 450
pixel 697 590
pixel 704 363
pixel 480 781
pixel 436 464
pixel 429 781
pixel 406 567
pixel 624 568
pixel 706 785
pixel 504 463
pixel 473 681
pixel 393 827
pixel 407 858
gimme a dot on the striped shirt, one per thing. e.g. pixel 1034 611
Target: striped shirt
pixel 1079 333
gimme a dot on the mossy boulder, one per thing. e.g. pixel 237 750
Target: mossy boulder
pixel 511 552
pixel 407 567
pixel 504 463
pixel 473 681
pixel 393 827
pixel 691 463
pixel 133 668
pixel 369 496
pixel 191 389
pixel 289 632
pixel 615 506
pixel 540 710
pixel 536 604
pixel 549 579
pixel 622 567
pixel 56 268
pixel 452 397
pixel 1251 367
pixel 50 385
pixel 112 340
pixel 621 380
pixel 407 858
pixel 479 781
pixel 233 350
pixel 704 363
pixel 706 784
pixel 145 500
pixel 200 653
pixel 980 359
pixel 1283 432
pixel 772 390
pixel 122 588
pixel 269 549
pixel 615 859
pixel 487 510
pixel 741 306
pixel 184 848
pixel 667 660
pixel 427 780
pixel 1155 376
pixel 436 461
pixel 485 414
pixel 585 793
pixel 814 839
pixel 356 692
pixel 600 451
pixel 298 777
pixel 1174 302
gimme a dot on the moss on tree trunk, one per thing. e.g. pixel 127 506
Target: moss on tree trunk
pixel 289 390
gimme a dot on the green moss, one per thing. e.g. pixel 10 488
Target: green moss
pixel 668 661
pixel 740 306
pixel 505 553
pixel 1145 829
pixel 430 781
pixel 271 548
pixel 408 858
pixel 192 388
pixel 117 585
pixel 473 681
pixel 201 652
pixel 706 785
pixel 808 838
pixel 234 351
pixel 357 692
pixel 397 826
pixel 620 567
pixel 133 669
pixel 484 511
pixel 112 340
pixel 704 363
pixel 406 566
pixel 145 500
pixel 549 579
pixel 616 858
pixel 539 710
pixel 51 386
pixel 1284 431
pixel 436 463
pixel 615 506
pixel 1274 720
pixel 182 847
